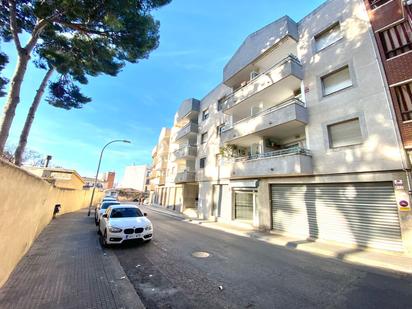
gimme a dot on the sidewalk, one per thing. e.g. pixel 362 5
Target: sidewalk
pixel 67 268
pixel 357 255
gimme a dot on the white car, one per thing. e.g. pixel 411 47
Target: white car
pixel 124 222
pixel 108 198
pixel 101 209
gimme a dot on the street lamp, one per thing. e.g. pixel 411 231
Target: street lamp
pixel 98 168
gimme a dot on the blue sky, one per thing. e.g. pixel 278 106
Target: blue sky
pixel 197 38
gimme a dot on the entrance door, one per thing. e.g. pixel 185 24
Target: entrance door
pixel 244 205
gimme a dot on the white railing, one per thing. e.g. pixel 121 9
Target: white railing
pixel 190 127
pixel 231 101
pixel 266 111
pixel 276 153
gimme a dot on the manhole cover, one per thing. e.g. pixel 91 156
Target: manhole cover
pixel 200 254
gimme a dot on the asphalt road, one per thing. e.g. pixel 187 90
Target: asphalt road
pixel 247 273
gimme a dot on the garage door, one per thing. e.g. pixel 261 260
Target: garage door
pixel 362 213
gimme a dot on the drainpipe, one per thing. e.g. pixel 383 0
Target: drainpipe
pixel 404 161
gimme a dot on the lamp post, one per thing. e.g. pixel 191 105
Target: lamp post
pixel 98 168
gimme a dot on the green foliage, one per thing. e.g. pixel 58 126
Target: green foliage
pixel 84 38
pixel 3 81
pixel 124 28
pixel 65 94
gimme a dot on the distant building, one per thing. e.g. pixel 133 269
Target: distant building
pixel 134 178
pixel 60 177
pixel 106 182
pixel 109 179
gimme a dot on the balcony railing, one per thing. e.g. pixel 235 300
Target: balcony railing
pixel 186 176
pixel 293 161
pixel 285 116
pixel 377 3
pixel 276 153
pixel 287 66
pixel 186 152
pixel 191 127
pixel 265 112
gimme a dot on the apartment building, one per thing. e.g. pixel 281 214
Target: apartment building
pixel 181 190
pixel 134 177
pixel 157 175
pixel 392 26
pixel 300 137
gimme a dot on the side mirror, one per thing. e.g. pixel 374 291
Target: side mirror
pixel 104 216
pixel 145 214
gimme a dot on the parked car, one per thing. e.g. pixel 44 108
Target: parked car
pixel 101 209
pixel 124 222
pixel 108 198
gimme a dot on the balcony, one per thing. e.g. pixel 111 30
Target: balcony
pixel 189 129
pixel 289 115
pixel 186 152
pixel 188 110
pixel 152 174
pixel 185 176
pixel 159 180
pixel 377 3
pixel 161 165
pixel 285 75
pixel 293 161
pixel 279 35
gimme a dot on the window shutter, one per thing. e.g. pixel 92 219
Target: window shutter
pixel 345 133
pixel 328 37
pixel 336 81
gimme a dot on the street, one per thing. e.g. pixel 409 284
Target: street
pixel 246 273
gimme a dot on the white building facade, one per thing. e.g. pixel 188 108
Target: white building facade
pixel 299 137
pixel 134 178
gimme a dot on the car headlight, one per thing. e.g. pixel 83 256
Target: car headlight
pixel 148 228
pixel 115 230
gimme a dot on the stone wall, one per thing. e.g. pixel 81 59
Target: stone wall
pixel 26 207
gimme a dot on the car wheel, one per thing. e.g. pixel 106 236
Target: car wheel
pixel 104 239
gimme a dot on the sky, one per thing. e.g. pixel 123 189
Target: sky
pixel 197 38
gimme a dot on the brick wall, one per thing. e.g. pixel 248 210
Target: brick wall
pixel 397 69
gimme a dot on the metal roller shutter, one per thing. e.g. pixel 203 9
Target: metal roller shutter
pixel 360 213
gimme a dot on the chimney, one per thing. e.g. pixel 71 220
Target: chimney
pixel 47 161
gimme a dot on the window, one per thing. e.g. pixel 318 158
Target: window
pixel 219 129
pixel 345 133
pixel 328 37
pixel 377 3
pixel 205 114
pixel 336 81
pixel 397 40
pixel 404 96
pixel 220 103
pixel 202 162
pixel 125 212
pixel 203 138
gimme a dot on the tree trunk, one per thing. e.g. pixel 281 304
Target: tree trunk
pixel 13 99
pixel 18 155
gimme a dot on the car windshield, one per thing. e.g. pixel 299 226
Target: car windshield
pixel 126 212
pixel 106 205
